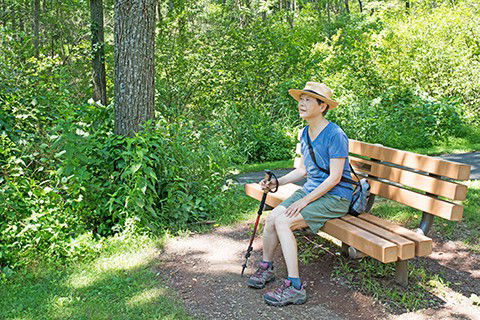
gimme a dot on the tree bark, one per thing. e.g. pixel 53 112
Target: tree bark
pixel 99 92
pixel 328 10
pixel 360 5
pixel 3 7
pixel 14 18
pixel 159 12
pixel 36 22
pixel 134 64
pixel 21 23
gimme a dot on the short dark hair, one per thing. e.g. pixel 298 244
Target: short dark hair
pixel 324 111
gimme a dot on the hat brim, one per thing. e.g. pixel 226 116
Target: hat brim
pixel 296 93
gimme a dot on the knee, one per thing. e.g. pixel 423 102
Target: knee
pixel 270 221
pixel 282 221
pixel 273 215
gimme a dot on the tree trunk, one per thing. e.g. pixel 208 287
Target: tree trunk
pixel 14 18
pixel 3 13
pixel 21 23
pixel 346 7
pixel 99 92
pixel 159 12
pixel 28 20
pixel 360 5
pixel 328 10
pixel 36 21
pixel 134 64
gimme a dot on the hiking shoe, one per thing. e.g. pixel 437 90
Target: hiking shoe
pixel 261 277
pixel 285 294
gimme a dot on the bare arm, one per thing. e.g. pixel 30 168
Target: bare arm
pixel 336 170
pixel 293 176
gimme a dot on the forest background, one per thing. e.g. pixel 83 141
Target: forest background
pixel 405 73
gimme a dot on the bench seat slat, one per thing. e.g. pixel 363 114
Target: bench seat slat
pixel 453 170
pixel 273 199
pixel 371 244
pixel 423 244
pixel 448 189
pixel 437 207
pixel 406 247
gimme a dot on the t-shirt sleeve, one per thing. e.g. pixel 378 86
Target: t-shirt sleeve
pixel 338 147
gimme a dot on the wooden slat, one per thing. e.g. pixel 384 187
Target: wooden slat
pixel 423 244
pixel 437 207
pixel 273 199
pixel 450 169
pixel 448 189
pixel 376 247
pixel 406 247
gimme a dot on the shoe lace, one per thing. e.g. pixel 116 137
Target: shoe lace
pixel 260 271
pixel 280 289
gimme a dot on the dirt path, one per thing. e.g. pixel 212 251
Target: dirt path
pixel 205 272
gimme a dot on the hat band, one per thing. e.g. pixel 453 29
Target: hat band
pixel 311 91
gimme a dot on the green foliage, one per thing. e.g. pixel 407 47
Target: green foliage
pixel 119 284
pixel 401 122
pixel 238 77
pixel 222 75
pixel 372 278
pixel 167 176
pixel 437 54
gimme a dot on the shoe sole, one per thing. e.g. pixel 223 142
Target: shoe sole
pixel 259 286
pixel 281 304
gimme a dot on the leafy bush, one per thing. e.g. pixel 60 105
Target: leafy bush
pixel 99 184
pixel 168 175
pixel 436 53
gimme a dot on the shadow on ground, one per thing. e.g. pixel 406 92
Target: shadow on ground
pixel 205 271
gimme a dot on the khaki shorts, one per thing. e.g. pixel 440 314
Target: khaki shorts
pixel 316 213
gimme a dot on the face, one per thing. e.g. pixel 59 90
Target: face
pixel 309 108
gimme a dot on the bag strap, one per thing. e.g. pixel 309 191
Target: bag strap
pixel 344 179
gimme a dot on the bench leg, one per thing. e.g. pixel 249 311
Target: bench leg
pixel 401 272
pixel 349 251
pixel 426 223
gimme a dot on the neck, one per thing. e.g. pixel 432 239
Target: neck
pixel 317 124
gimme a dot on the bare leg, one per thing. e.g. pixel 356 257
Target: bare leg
pixel 270 238
pixel 284 227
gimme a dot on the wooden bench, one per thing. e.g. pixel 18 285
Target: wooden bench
pixel 418 181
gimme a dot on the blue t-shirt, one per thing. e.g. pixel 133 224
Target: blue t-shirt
pixel 330 143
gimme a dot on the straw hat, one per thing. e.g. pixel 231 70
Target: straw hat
pixel 316 90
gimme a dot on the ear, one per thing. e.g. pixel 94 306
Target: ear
pixel 324 106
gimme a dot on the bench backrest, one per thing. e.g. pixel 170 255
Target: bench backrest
pixel 421 182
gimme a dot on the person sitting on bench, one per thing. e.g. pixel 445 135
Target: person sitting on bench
pixel 322 197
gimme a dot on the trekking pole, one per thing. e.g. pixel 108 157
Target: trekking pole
pixel 268 176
